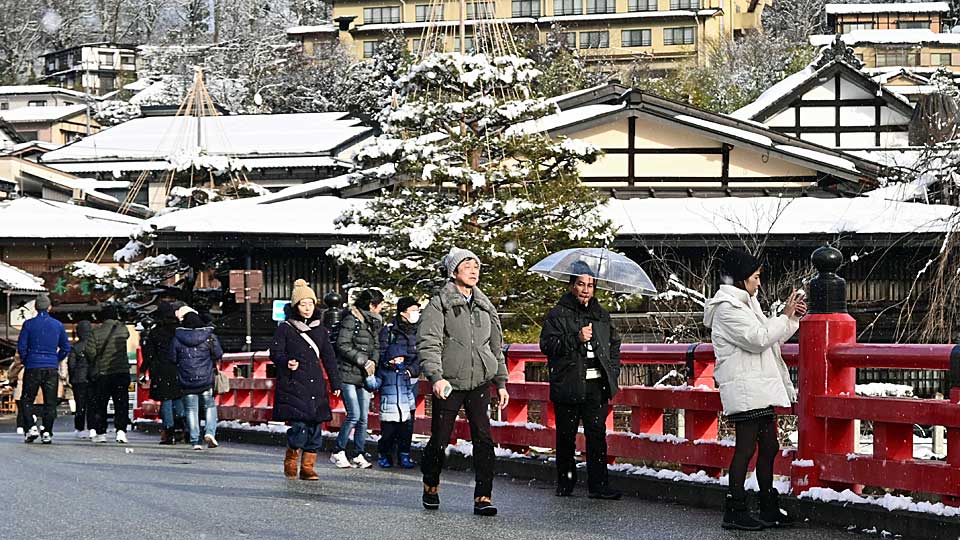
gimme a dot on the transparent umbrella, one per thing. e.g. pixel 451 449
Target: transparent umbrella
pixel 613 271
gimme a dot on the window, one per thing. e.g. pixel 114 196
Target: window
pixel 526 8
pixel 684 4
pixel 567 7
pixel 904 25
pixel 569 39
pixel 642 5
pixel 601 6
pixel 425 13
pixel 594 40
pixel 481 10
pixel 106 59
pixel 4 106
pixel 898 58
pixel 29 135
pixel 636 38
pixel 107 83
pixel 846 28
pixel 417 45
pixel 468 41
pixel 370 48
pixel 678 36
pixel 378 15
pixel 37 103
pixel 126 59
pixel 940 59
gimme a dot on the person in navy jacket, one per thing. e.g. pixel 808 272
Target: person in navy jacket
pixel 42 345
pixel 397 374
pixel 302 352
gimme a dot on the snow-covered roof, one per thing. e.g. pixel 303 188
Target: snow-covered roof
pixel 785 87
pixel 668 14
pixel 242 136
pixel 919 35
pixel 897 7
pixel 119 167
pixel 687 216
pixel 24 115
pixel 43 89
pixel 13 279
pixel 40 145
pixel 563 118
pixel 260 215
pixel 28 217
pixel 314 29
pixel 804 215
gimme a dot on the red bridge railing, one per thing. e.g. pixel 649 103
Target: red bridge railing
pixel 827 358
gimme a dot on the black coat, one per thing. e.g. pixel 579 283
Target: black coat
pixel 302 395
pixel 78 366
pixel 156 361
pixel 357 344
pixel 567 356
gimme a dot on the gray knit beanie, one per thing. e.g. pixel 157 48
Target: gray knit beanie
pixel 456 256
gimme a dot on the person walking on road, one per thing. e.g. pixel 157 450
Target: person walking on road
pixel 195 351
pixel 460 343
pixel 302 352
pixel 358 349
pixel 42 345
pixel 397 375
pixel 78 369
pixel 106 350
pixel 583 356
pixel 164 385
pixel 752 379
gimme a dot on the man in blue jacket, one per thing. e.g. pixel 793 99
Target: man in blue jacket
pixel 42 345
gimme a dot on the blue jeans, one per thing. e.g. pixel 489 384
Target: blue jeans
pixel 191 404
pixel 305 435
pixel 169 410
pixel 357 402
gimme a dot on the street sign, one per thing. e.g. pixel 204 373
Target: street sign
pixel 278 314
pixel 246 285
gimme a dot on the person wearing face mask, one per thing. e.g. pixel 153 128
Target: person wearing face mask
pixel 397 375
pixel 302 353
pixel 583 356
pixel 752 379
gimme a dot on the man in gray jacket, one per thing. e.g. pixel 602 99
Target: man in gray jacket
pixel 460 342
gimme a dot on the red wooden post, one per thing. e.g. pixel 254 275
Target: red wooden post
pixel 827 325
pixel 646 420
pixel 700 424
pixel 516 410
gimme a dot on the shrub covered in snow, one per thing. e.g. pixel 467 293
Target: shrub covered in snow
pixel 462 179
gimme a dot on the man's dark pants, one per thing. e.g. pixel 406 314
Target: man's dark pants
pixel 593 413
pixel 112 386
pixel 45 380
pixel 476 404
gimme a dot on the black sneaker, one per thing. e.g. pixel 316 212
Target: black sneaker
pixel 606 495
pixel 482 506
pixel 431 497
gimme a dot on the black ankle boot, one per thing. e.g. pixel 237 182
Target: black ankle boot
pixel 770 513
pixel 737 516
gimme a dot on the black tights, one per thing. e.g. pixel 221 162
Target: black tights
pixel 751 435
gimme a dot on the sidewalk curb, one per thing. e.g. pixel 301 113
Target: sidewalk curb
pixel 910 525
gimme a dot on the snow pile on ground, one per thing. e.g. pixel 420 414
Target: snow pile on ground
pixel 527 425
pixel 465 448
pixel 888 501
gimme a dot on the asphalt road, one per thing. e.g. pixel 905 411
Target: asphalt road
pixel 76 490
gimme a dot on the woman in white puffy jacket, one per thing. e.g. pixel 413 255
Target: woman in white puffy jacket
pixel 752 379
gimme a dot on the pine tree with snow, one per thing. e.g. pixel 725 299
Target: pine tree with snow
pixel 468 167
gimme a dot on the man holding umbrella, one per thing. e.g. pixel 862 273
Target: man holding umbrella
pixel 583 356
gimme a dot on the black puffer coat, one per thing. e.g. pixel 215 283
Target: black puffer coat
pixel 301 395
pixel 567 356
pixel 156 361
pixel 78 366
pixel 357 344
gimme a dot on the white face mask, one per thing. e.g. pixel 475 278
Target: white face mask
pixel 413 317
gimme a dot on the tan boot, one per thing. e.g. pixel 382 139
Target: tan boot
pixel 290 463
pixel 307 471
